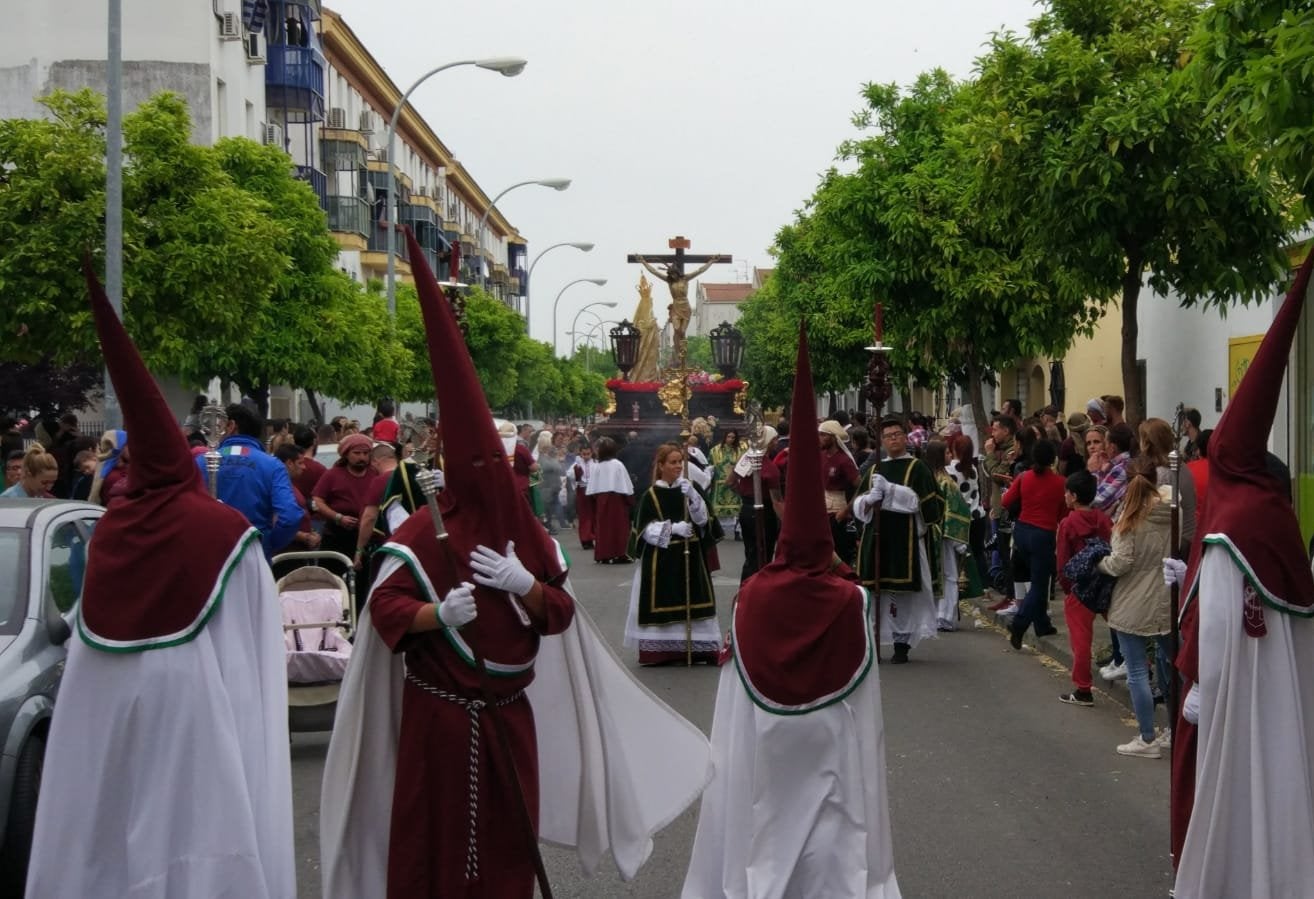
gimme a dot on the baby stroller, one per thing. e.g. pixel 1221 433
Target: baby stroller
pixel 318 624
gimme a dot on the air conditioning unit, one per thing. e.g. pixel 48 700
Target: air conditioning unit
pixel 337 118
pixel 366 122
pixel 253 54
pixel 230 27
pixel 273 136
pixel 381 154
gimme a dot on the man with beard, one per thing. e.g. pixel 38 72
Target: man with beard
pixel 343 493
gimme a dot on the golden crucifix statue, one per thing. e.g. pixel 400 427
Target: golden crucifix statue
pixel 670 268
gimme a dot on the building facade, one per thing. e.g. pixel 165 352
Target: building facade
pixel 292 74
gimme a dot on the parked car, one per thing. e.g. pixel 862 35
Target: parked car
pixel 43 557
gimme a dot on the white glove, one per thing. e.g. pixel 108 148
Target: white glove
pixel 685 487
pixel 682 529
pixel 501 572
pixel 1174 572
pixel 879 487
pixel 1191 705
pixel 458 606
pixel 439 479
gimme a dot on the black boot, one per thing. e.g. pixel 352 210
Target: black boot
pixel 900 654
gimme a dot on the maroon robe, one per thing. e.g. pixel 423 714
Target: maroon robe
pixel 583 509
pixel 611 523
pixel 430 845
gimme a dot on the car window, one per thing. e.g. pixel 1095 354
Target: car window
pixel 66 563
pixel 12 589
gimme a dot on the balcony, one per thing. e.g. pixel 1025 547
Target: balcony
pixel 317 180
pixel 294 82
pixel 416 214
pixel 349 215
pixel 342 151
pixel 378 242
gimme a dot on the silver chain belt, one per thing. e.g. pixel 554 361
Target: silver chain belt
pixel 473 707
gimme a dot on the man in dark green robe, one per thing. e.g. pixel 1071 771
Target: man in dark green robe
pixel 910 503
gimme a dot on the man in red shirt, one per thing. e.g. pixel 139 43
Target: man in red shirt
pixel 311 469
pixel 343 493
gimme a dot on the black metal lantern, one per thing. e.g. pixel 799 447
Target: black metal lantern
pixel 625 346
pixel 727 348
pixel 1058 388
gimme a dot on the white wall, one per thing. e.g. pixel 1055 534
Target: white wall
pixel 167 45
pixel 1185 351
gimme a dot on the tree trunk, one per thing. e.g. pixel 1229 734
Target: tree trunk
pixel 315 412
pixel 1131 380
pixel 259 393
pixel 905 401
pixel 976 398
pixel 832 405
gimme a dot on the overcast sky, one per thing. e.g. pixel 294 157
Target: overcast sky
pixel 710 119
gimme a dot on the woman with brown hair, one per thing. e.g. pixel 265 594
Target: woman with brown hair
pixel 40 471
pixel 1139 607
pixel 672 614
pixel 1157 441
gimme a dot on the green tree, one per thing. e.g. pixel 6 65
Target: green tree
pixel 318 332
pixel 201 255
pixel 1112 167
pixel 1255 62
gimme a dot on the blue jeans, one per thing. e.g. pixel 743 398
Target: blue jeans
pixel 1034 548
pixel 1138 677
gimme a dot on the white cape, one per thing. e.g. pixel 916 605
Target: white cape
pixel 168 770
pixel 616 764
pixel 1252 827
pixel 798 808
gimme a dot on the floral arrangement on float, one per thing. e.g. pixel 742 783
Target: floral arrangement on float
pixel 699 381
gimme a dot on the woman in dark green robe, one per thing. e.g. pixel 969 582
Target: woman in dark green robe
pixel 672 614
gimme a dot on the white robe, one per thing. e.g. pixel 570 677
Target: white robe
pixel 168 772
pixel 798 808
pixel 909 616
pixel 616 764
pixel 1252 826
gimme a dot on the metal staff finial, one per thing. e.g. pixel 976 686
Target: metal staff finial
pixel 213 423
pixel 430 482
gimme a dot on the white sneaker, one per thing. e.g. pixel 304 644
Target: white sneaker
pixel 1112 672
pixel 1165 738
pixel 1139 747
pixel 1008 611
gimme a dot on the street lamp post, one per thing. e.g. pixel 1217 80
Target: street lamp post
pixel 610 304
pixel 597 281
pixel 510 66
pixel 588 339
pixel 529 276
pixel 554 183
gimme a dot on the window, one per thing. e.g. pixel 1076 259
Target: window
pixel 13 590
pixel 66 564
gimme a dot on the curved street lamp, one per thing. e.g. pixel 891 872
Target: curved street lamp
pixel 610 304
pixel 557 184
pixel 510 66
pixel 597 281
pixel 529 276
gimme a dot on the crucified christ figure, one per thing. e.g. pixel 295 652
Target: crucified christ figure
pixel 679 312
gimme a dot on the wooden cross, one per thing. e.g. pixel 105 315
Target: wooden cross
pixel 674 262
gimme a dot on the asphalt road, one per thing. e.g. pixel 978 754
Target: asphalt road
pixel 996 788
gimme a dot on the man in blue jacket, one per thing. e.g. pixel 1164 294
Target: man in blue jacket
pixel 254 482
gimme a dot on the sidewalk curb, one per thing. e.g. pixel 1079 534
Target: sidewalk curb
pixel 1056 647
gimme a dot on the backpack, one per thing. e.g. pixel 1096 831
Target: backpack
pixel 1092 587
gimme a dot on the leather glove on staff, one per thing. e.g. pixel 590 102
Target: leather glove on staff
pixel 458 607
pixel 682 529
pixel 501 572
